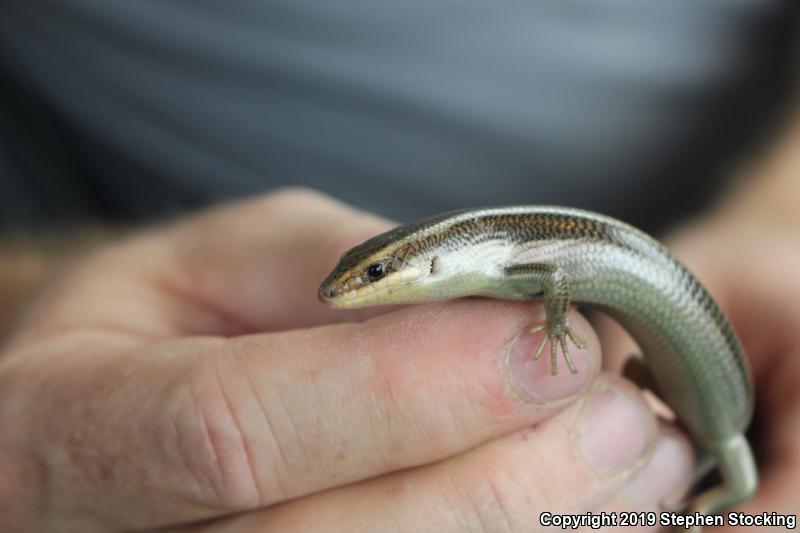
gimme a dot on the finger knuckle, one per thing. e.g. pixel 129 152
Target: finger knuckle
pixel 214 449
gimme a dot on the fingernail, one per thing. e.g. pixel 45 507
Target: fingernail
pixel 532 381
pixel 665 478
pixel 615 430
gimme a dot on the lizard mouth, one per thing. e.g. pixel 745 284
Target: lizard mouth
pixel 337 293
pixel 331 295
pixel 339 299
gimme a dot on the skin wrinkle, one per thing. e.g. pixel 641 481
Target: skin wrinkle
pixel 56 450
pixel 285 493
pixel 180 443
pixel 216 484
pixel 450 493
pixel 484 526
pixel 513 474
pixel 184 441
pixel 386 403
pixel 475 502
pixel 241 437
pixel 538 493
pixel 44 476
pixel 342 369
pixel 66 455
pixel 498 498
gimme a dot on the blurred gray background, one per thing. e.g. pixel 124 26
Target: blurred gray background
pixel 120 111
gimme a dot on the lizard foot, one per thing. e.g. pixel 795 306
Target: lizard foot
pixel 557 337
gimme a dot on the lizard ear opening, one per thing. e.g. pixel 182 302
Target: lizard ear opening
pixel 436 265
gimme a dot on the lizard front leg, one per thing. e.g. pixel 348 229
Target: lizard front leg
pixel 554 283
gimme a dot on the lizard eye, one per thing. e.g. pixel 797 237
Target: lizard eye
pixel 375 271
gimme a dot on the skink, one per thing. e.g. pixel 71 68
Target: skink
pixel 565 256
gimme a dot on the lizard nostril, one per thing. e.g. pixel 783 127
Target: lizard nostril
pixel 325 294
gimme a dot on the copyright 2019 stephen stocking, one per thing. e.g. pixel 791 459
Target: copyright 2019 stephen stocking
pixel 598 520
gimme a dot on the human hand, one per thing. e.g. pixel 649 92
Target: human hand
pixel 754 271
pixel 189 375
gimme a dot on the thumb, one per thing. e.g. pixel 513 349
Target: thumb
pixel 251 266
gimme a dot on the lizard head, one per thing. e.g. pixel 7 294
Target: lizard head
pixel 419 262
pixel 386 269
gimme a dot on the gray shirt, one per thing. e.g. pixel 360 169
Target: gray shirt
pixel 133 109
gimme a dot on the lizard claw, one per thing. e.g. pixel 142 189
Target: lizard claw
pixel 556 338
